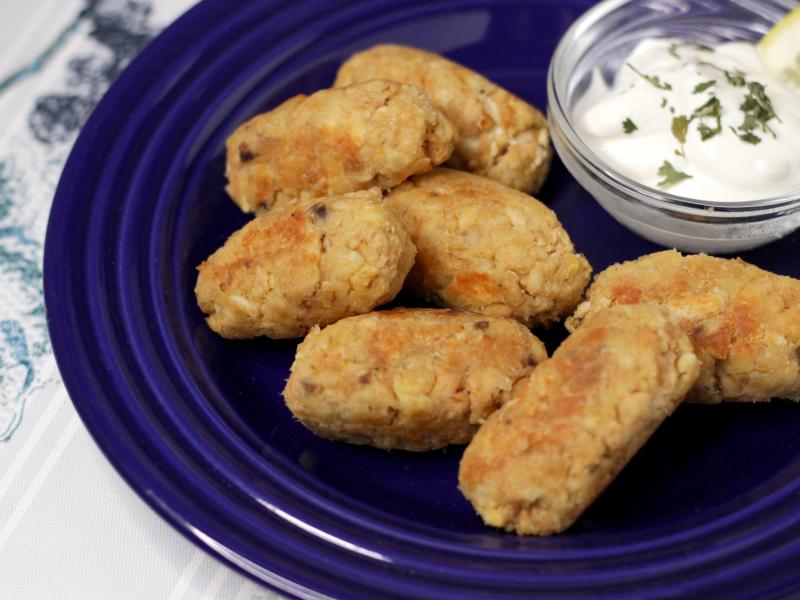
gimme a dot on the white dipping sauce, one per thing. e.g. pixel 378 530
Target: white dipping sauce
pixel 723 168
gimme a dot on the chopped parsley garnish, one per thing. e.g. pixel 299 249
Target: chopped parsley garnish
pixel 756 107
pixel 679 127
pixel 671 175
pixel 748 137
pixel 673 48
pixel 707 132
pixel 712 109
pixel 702 87
pixel 651 79
pixel 758 111
pixel 629 126
pixel 736 79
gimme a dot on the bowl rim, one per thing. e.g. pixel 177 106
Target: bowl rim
pixel 631 189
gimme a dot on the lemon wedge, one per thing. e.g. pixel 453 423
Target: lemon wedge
pixel 780 48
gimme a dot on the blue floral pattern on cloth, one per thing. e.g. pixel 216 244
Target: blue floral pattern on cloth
pixel 95 47
pixel 23 335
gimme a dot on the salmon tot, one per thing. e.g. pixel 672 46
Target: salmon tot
pixel 336 141
pixel 502 137
pixel 485 247
pixel 309 263
pixel 569 429
pixel 744 321
pixel 411 379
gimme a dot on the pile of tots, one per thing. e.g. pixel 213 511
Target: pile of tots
pixel 351 205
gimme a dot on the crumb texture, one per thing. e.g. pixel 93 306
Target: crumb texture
pixel 502 137
pixel 308 263
pixel 568 430
pixel 744 321
pixel 488 248
pixel 376 133
pixel 412 379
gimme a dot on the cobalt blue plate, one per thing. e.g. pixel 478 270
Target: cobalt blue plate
pixel 196 424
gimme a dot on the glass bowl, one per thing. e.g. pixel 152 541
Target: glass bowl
pixel 603 37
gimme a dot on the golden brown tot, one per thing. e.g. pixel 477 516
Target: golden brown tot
pixel 308 263
pixel 744 321
pixel 485 247
pixel 336 141
pixel 570 428
pixel 412 379
pixel 502 137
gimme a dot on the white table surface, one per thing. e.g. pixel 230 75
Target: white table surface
pixel 70 527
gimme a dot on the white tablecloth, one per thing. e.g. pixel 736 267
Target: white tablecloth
pixel 70 527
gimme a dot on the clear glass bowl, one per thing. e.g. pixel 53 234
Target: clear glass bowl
pixel 603 37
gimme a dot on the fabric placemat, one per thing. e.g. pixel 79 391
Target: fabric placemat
pixel 70 527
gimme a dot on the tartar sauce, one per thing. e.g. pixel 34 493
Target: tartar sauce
pixel 698 122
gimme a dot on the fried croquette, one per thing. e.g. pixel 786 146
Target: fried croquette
pixel 303 264
pixel 744 321
pixel 336 141
pixel 411 379
pixel 569 429
pixel 484 247
pixel 502 137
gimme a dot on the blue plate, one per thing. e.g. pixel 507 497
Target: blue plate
pixel 196 424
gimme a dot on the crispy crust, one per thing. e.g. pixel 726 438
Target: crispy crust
pixel 502 137
pixel 744 321
pixel 413 379
pixel 542 459
pixel 336 141
pixel 308 263
pixel 488 248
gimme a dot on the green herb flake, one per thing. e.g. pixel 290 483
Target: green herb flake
pixel 663 102
pixel 707 132
pixel 680 126
pixel 680 153
pixel 671 175
pixel 750 138
pixel 736 79
pixel 653 80
pixel 673 48
pixel 629 126
pixel 758 111
pixel 702 87
pixel 711 109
